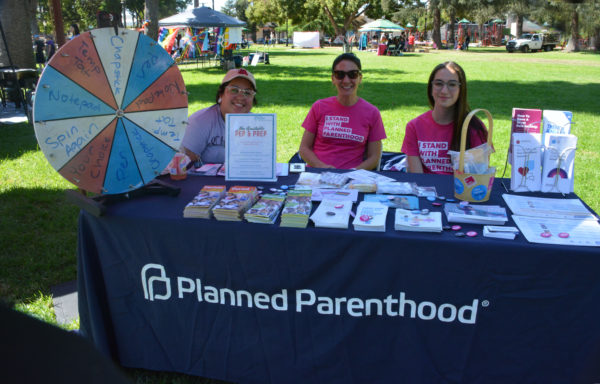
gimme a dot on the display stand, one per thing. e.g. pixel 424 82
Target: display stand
pixel 97 205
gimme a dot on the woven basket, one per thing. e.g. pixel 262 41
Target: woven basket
pixel 469 186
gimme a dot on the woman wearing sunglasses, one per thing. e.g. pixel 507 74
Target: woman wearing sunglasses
pixel 343 131
pixel 204 139
pixel 429 136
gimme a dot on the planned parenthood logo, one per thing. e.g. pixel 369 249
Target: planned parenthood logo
pixel 148 282
pixel 157 286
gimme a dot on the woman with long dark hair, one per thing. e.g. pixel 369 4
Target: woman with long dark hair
pixel 429 136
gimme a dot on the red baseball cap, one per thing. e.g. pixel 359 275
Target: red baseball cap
pixel 240 72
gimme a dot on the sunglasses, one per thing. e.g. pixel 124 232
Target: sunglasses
pixel 351 74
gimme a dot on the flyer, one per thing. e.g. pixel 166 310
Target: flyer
pixel 250 146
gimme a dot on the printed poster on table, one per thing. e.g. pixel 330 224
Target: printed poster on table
pixel 250 146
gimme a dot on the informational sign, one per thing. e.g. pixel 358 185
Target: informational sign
pixel 250 146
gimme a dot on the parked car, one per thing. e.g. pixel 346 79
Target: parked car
pixel 533 42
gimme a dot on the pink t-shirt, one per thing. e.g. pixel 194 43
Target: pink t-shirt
pixel 341 132
pixel 430 141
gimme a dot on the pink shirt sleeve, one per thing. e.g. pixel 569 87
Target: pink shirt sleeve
pixel 378 131
pixel 409 145
pixel 310 122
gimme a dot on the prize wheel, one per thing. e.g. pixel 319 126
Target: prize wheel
pixel 110 110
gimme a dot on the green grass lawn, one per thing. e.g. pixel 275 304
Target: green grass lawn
pixel 38 227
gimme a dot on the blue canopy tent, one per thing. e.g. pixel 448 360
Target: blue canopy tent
pixel 201 17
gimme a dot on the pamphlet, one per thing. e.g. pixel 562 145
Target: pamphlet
pixel 556 122
pixel 524 121
pixel 265 210
pixel 475 214
pixel 394 201
pixel 584 232
pixel 554 221
pixel 559 163
pixel 332 214
pixel 237 201
pixel 415 221
pixel 526 171
pixel 202 203
pixel 370 216
pixel 547 207
pixel 297 209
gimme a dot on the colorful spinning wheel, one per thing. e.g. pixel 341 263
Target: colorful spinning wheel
pixel 110 110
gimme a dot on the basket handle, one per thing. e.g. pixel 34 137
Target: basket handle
pixel 463 135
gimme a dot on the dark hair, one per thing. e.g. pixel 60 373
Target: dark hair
pixel 346 56
pixel 461 107
pixel 75 29
pixel 221 91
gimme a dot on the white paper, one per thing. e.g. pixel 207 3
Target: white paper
pixel 559 231
pixel 282 169
pixel 415 221
pixel 250 146
pixel 370 216
pixel 547 207
pixel 556 122
pixel 475 214
pixel 526 171
pixel 559 163
pixel 332 214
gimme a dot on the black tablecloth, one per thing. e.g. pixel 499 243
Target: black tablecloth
pixel 256 303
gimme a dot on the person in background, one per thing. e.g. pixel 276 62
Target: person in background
pixel 343 131
pixel 50 47
pixel 204 138
pixel 411 43
pixel 38 45
pixel 74 30
pixel 429 136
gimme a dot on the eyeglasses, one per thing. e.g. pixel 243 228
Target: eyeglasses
pixel 235 90
pixel 351 74
pixel 452 85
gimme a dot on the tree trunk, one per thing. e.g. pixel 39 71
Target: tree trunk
pixel 451 27
pixel 437 39
pixel 151 14
pixel 35 29
pixel 573 45
pixel 59 29
pixel 519 25
pixel 14 16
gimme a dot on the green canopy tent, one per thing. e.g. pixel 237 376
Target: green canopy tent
pixel 381 25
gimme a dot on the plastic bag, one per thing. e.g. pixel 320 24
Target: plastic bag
pixel 477 160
